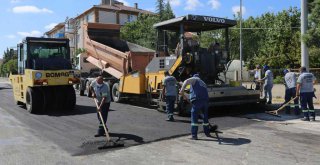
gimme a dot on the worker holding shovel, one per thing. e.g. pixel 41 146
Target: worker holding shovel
pixel 102 94
pixel 199 99
pixel 290 84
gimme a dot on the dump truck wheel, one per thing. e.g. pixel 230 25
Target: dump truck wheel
pixel 49 97
pixel 19 103
pixel 81 92
pixel 34 103
pixel 116 95
pixel 71 98
pixel 88 91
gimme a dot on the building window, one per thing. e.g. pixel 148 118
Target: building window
pixel 132 18
pixel 161 63
pixel 87 18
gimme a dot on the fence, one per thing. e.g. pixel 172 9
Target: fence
pixel 278 74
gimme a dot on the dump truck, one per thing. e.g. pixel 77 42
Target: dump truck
pixel 45 75
pixel 115 57
pixel 140 74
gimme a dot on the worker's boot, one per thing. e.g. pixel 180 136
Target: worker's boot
pixel 206 129
pixel 194 132
pixel 170 118
pixel 313 115
pixel 213 128
pixel 101 132
pixel 305 119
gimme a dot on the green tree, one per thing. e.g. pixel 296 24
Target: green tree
pixel 168 13
pixel 313 35
pixel 160 8
pixel 10 62
pixel 272 38
pixel 141 31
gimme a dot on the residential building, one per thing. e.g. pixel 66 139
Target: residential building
pixel 108 12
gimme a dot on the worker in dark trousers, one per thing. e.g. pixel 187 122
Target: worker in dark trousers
pixel 199 99
pixel 306 92
pixel 102 94
pixel 170 93
pixel 291 83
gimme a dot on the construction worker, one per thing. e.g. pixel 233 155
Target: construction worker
pixel 199 99
pixel 170 93
pixel 306 92
pixel 290 83
pixel 268 83
pixel 102 94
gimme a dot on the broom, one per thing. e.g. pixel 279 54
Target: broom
pixel 109 142
pixel 275 112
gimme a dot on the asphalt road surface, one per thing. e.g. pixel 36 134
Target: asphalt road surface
pixel 67 137
pixel 74 131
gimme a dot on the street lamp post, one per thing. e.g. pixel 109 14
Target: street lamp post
pixel 304 26
pixel 241 40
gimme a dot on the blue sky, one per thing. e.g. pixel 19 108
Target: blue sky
pixel 21 18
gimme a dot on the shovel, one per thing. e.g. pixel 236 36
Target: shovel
pixel 275 112
pixel 109 142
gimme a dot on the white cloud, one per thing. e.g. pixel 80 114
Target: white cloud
pixel 193 4
pixel 236 10
pixel 11 36
pixel 126 3
pixel 175 3
pixel 50 26
pixel 215 4
pixel 30 9
pixel 33 33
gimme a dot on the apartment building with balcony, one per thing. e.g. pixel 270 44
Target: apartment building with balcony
pixel 107 12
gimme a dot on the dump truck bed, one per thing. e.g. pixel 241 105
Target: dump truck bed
pixel 107 51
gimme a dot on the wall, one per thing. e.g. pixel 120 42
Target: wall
pixel 124 18
pixel 58 34
pixel 90 17
pixel 107 17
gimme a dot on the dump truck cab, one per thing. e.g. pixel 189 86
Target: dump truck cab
pixel 45 76
pixel 210 62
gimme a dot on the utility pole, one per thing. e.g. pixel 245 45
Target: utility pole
pixel 241 40
pixel 304 28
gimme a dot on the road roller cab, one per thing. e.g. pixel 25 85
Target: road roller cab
pixel 45 76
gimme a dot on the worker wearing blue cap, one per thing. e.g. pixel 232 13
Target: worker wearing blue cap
pixel 268 83
pixel 306 91
pixel 290 83
pixel 199 98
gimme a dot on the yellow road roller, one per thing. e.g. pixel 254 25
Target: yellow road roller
pixel 45 76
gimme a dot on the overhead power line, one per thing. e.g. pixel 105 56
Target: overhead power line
pixel 266 28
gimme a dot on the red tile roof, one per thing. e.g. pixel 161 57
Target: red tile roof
pixel 120 7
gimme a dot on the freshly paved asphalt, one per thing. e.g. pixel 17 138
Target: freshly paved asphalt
pixel 133 125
